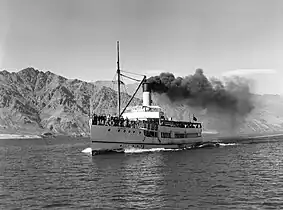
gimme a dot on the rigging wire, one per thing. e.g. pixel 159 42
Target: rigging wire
pixel 125 90
pixel 113 81
pixel 124 86
pixel 133 73
pixel 137 80
pixel 122 79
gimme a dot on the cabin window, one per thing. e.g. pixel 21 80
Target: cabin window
pixel 150 133
pixel 165 135
pixel 180 135
pixel 186 135
pixel 191 135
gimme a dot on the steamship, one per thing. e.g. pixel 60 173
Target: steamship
pixel 145 126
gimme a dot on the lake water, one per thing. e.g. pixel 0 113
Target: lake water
pixel 60 176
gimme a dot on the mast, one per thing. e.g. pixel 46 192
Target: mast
pixel 118 73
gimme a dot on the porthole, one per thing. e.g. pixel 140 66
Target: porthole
pixel 129 131
pixel 133 131
pixel 124 131
pixel 140 132
pixel 109 129
pixel 121 145
pixel 118 130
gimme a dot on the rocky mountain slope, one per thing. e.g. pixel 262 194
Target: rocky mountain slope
pixel 33 102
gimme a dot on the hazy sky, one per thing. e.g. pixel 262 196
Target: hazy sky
pixel 77 38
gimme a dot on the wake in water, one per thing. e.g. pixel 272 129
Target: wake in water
pixel 87 151
pixel 137 150
pixel 227 144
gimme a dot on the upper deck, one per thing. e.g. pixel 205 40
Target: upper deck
pixel 143 112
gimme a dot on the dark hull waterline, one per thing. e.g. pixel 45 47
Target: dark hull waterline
pixel 196 146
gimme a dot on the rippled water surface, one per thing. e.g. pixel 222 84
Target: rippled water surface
pixel 60 176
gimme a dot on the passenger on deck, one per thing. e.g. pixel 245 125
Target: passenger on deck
pixel 94 119
pixel 121 122
pixel 104 120
pixel 112 122
pixel 137 123
pixel 108 119
pixel 132 124
pixel 127 122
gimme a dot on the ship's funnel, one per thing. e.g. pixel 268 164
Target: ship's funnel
pixel 146 95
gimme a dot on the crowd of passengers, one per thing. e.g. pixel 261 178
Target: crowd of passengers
pixel 113 121
pixel 151 124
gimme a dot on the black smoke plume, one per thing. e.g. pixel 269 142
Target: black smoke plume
pixel 232 96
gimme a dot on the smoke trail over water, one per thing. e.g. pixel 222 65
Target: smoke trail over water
pixel 230 99
pixel 232 96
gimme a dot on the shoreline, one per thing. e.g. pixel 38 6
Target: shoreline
pixel 35 136
pixel 19 136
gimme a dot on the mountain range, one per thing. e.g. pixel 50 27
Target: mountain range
pixel 34 102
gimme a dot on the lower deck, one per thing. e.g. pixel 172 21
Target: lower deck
pixel 112 137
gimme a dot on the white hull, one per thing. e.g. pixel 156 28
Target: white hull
pixel 119 138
